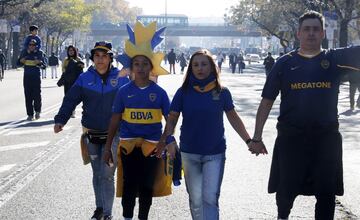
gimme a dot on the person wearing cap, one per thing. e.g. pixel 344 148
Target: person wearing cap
pixel 32 60
pixel 33 29
pixel 96 89
pixel 138 110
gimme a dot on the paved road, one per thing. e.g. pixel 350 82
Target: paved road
pixel 41 175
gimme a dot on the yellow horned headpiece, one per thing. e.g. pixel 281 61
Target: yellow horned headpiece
pixel 142 41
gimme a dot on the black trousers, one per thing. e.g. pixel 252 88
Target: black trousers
pixel 32 91
pixel 324 208
pixel 307 161
pixel 139 174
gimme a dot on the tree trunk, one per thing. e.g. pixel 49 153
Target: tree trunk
pixel 47 43
pixel 58 45
pixel 52 44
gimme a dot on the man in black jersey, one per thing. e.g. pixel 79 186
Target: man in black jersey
pixel 307 157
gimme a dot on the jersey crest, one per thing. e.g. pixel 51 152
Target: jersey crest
pixel 152 97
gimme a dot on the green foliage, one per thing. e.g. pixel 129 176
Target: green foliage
pixel 272 16
pixel 114 11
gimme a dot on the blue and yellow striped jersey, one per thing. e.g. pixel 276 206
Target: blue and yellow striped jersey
pixel 142 110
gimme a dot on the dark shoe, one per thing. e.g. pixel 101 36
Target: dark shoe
pixel 108 217
pixel 37 115
pixel 98 214
pixel 30 118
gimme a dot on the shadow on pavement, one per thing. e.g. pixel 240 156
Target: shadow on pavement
pixel 36 124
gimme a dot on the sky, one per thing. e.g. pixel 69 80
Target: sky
pixel 191 8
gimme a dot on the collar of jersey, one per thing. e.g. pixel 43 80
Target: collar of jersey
pixel 206 88
pixel 309 56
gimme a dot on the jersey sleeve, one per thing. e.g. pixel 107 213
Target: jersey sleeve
pixel 165 105
pixel 118 104
pixel 272 85
pixel 228 101
pixel 72 98
pixel 177 103
pixel 345 58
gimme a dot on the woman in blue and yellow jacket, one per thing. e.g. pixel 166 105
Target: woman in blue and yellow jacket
pixel 96 89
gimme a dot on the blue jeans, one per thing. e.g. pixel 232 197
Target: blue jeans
pixel 203 178
pixel 103 175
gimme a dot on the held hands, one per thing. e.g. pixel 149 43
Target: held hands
pixel 170 149
pixel 257 147
pixel 160 148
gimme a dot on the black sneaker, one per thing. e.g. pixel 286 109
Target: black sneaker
pixel 98 214
pixel 108 217
pixel 30 118
pixel 37 115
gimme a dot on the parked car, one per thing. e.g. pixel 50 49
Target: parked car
pixel 252 57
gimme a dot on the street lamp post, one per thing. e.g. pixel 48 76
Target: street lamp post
pixel 165 26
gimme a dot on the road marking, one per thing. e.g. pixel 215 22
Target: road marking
pixel 6 167
pixel 14 124
pixel 21 120
pixel 23 146
pixel 27 172
pixel 32 131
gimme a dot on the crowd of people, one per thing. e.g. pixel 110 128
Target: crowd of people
pixel 122 120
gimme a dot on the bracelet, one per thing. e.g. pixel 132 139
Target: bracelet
pixel 248 141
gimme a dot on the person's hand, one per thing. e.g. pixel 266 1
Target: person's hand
pixel 171 149
pixel 37 61
pixel 257 147
pixel 22 60
pixel 160 148
pixel 108 158
pixel 58 128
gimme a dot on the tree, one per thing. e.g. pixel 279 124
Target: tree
pixel 268 14
pixel 114 11
pixel 276 17
pixel 61 19
pixel 347 10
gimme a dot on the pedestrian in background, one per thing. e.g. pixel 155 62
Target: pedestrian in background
pixel 232 61
pixel 201 99
pixel 2 63
pixel 43 67
pixel 54 64
pixel 354 84
pixel 183 62
pixel 240 62
pixel 96 89
pixel 32 60
pixel 72 67
pixel 171 56
pixel 220 60
pixel 307 157
pixel 268 63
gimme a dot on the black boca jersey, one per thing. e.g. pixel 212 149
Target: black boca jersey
pixel 309 87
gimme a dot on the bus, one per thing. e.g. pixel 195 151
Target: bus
pixel 162 20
